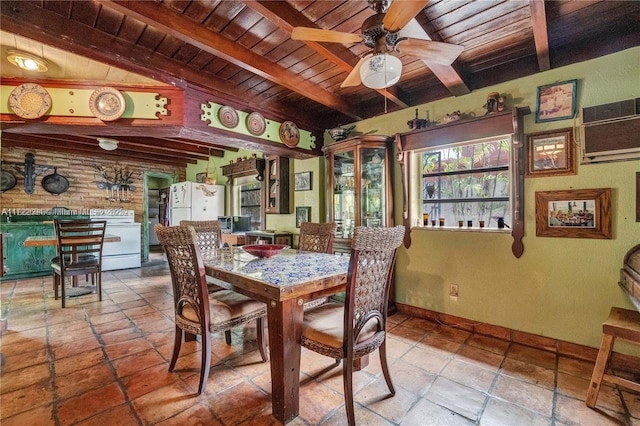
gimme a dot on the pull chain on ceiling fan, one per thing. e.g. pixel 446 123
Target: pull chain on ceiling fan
pixel 382 33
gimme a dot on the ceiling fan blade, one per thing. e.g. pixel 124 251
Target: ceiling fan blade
pixel 316 34
pixel 431 51
pixel 401 12
pixel 353 79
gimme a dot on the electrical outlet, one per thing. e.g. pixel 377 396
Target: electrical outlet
pixel 453 291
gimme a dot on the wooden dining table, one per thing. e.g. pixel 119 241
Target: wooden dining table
pixel 52 240
pixel 284 282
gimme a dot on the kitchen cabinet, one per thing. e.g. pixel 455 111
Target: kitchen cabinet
pixel 278 185
pixel 359 187
pixel 251 203
pixel 21 261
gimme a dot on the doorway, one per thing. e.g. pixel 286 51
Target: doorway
pixel 156 184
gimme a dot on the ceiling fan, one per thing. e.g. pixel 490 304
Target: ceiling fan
pixel 382 33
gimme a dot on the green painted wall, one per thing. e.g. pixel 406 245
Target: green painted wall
pixel 281 222
pixel 561 288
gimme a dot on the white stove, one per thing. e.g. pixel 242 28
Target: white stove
pixel 126 253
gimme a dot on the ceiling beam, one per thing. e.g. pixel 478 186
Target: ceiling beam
pixel 540 33
pixel 173 23
pixel 286 17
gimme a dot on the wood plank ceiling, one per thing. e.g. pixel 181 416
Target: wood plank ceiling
pixel 241 54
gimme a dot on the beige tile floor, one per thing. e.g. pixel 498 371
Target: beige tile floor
pixel 105 363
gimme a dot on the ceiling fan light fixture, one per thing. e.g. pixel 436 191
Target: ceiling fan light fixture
pixel 107 144
pixel 380 70
pixel 27 61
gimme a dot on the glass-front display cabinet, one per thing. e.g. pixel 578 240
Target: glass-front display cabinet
pixel 359 187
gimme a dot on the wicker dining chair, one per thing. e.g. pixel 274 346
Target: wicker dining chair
pixel 317 237
pixel 79 252
pixel 363 316
pixel 209 235
pixel 197 311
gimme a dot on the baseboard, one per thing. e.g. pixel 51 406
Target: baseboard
pixel 619 361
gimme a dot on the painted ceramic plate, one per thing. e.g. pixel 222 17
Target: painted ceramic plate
pixel 256 124
pixel 289 134
pixel 30 100
pixel 107 104
pixel 228 117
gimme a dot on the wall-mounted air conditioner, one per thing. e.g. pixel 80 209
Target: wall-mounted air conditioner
pixel 611 132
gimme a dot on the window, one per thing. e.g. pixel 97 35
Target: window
pixel 467 184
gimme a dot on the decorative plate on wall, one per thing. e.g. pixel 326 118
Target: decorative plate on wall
pixel 289 134
pixel 256 124
pixel 228 117
pixel 30 100
pixel 107 104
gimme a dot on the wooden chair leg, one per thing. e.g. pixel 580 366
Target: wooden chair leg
pixel 206 361
pixel 385 367
pixel 177 343
pixel 599 369
pixel 98 280
pixel 62 290
pixel 55 286
pixel 347 377
pixel 262 342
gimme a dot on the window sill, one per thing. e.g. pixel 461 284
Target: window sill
pixel 463 229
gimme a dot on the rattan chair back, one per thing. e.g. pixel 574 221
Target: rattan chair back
pixel 317 237
pixel 208 233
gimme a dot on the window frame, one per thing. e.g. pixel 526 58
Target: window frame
pixel 488 126
pixel 416 157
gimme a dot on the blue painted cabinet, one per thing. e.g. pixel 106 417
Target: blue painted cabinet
pixel 21 261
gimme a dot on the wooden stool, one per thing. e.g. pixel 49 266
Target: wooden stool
pixel 623 324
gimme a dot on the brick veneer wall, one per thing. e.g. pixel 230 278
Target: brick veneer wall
pixel 78 169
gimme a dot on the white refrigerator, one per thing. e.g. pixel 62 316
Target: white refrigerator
pixel 195 201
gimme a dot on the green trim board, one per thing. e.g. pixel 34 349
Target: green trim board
pixel 272 132
pixel 74 102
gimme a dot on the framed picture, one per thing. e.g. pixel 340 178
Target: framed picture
pixel 201 177
pixel 551 153
pixel 556 101
pixel 580 213
pixel 303 214
pixel 302 181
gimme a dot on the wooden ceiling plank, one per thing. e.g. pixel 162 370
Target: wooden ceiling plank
pixel 30 21
pixel 172 23
pixel 286 18
pixel 74 140
pixel 149 145
pixel 117 155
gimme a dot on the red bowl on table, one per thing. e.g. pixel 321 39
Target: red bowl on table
pixel 264 250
